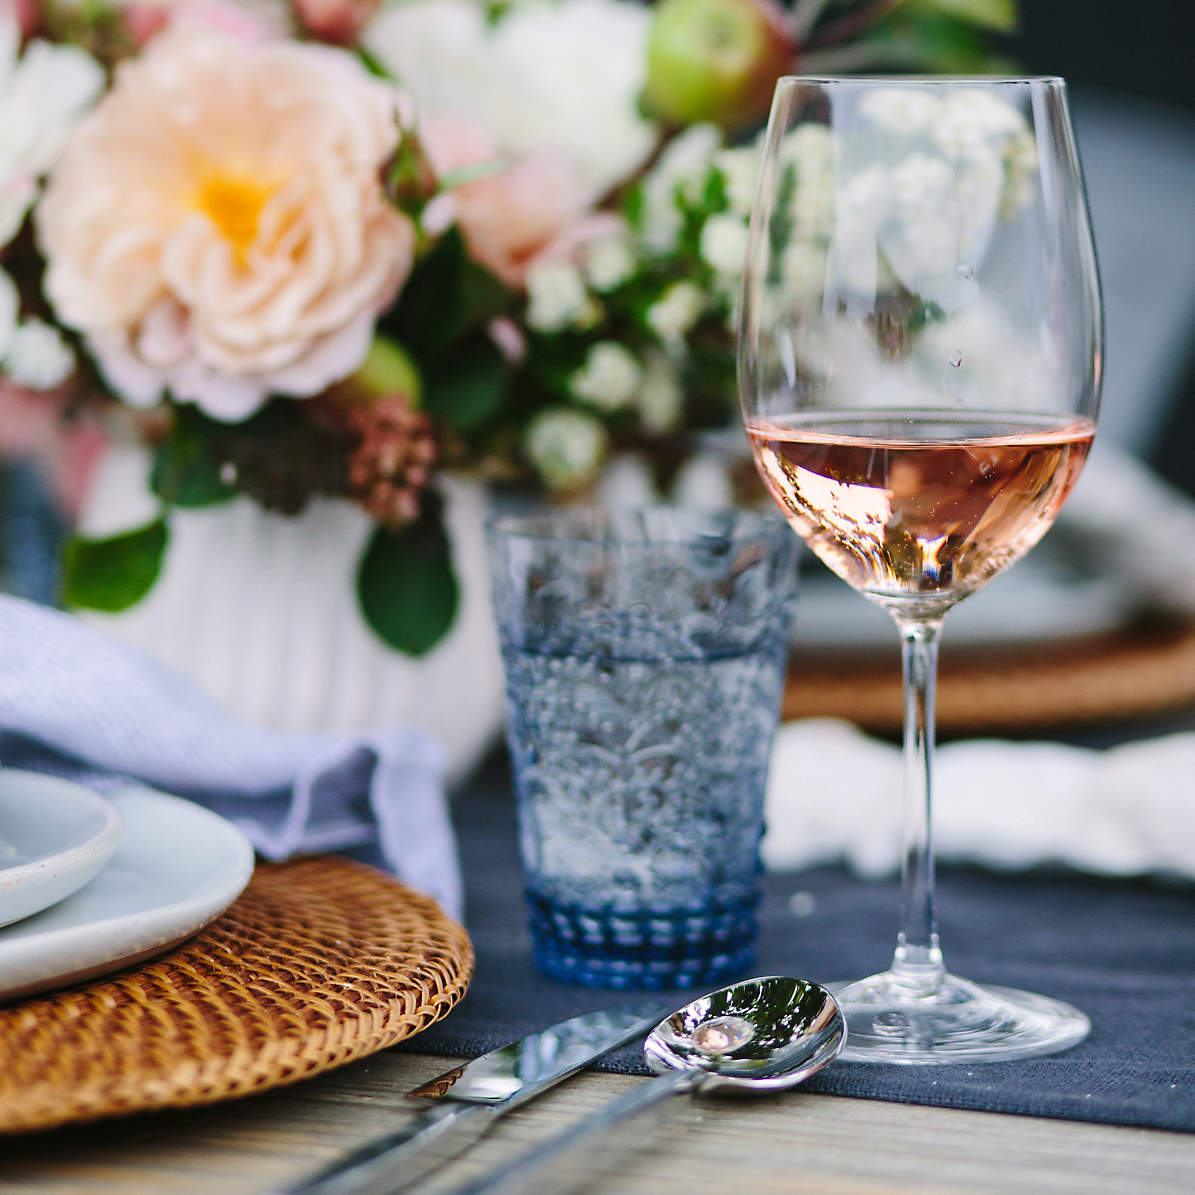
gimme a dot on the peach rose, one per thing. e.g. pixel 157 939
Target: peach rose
pixel 216 227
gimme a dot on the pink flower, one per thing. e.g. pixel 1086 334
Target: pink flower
pixel 337 21
pixel 217 226
pixel 145 19
pixel 512 210
pixel 33 424
pixel 28 17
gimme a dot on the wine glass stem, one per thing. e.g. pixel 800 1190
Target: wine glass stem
pixel 918 960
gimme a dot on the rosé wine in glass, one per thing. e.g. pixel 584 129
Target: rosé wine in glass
pixel 916 505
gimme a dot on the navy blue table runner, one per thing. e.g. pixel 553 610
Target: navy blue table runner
pixel 1123 952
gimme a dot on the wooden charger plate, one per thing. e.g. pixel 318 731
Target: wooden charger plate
pixel 1137 672
pixel 319 962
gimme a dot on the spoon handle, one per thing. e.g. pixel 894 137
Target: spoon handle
pixel 554 1166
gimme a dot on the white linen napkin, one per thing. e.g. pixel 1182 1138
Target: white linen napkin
pixel 834 794
pixel 79 705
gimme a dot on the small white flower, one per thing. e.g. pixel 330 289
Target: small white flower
pixel 676 311
pixel 608 262
pixel 608 379
pixel 810 147
pixel 703 483
pixel 814 205
pixel 739 169
pixel 682 169
pixel 724 243
pixel 1020 165
pixel 803 269
pixel 660 399
pixel 922 185
pixel 38 356
pixel 566 447
pixel 900 109
pixel 10 305
pixel 970 119
pixel 556 296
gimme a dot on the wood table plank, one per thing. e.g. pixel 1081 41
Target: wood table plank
pixel 791 1142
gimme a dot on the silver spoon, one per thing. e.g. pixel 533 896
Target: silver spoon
pixel 758 1035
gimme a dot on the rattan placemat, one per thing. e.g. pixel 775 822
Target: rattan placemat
pixel 319 962
pixel 1137 672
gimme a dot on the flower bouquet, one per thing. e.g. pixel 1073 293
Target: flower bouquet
pixel 340 250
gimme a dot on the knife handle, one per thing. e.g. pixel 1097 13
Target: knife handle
pixel 559 1164
pixel 415 1148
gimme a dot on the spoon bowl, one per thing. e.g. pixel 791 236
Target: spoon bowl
pixel 760 1035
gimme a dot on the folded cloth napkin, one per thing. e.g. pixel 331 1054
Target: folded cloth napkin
pixel 76 704
pixel 835 794
pixel 1144 527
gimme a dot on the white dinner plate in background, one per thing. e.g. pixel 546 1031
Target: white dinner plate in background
pixel 176 868
pixel 54 837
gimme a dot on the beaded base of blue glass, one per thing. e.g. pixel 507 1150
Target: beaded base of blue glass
pixel 649 949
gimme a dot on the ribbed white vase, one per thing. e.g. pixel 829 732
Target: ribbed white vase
pixel 260 610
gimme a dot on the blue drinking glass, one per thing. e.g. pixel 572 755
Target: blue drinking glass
pixel 644 654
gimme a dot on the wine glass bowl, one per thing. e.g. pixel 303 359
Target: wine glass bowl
pixel 919 363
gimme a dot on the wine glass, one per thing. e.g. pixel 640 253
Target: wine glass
pixel 919 365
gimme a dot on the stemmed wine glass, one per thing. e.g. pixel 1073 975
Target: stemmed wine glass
pixel 919 366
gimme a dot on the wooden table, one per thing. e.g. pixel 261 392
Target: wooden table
pixel 792 1142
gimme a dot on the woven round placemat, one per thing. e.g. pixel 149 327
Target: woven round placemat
pixel 1135 673
pixel 319 962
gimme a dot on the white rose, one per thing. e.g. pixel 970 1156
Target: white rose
pixel 563 77
pixel 42 96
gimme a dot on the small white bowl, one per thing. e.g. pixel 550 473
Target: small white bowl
pixel 55 836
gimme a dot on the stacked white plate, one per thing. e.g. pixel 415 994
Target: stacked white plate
pixel 90 884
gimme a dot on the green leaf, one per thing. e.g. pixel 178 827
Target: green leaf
pixel 997 15
pixel 469 387
pixel 446 297
pixel 115 573
pixel 406 586
pixel 931 42
pixel 186 467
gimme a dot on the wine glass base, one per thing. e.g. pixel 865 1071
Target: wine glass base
pixel 890 1019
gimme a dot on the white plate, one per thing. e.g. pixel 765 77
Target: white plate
pixel 54 837
pixel 177 867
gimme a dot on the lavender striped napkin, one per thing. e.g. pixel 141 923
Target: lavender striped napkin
pixel 76 704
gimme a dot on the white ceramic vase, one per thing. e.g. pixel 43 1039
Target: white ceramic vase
pixel 260 611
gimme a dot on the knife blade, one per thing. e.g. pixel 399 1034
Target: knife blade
pixel 460 1106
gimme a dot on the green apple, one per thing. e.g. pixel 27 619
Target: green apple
pixel 716 60
pixel 387 370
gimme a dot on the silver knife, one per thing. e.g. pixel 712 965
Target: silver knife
pixel 460 1106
